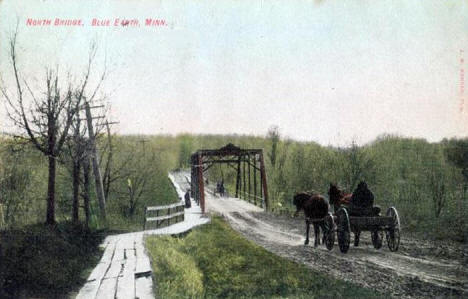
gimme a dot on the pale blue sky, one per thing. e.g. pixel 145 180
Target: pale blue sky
pixel 325 71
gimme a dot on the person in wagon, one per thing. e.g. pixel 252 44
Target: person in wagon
pixel 362 202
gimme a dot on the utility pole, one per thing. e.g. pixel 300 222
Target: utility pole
pixel 77 156
pixel 95 162
pixel 107 170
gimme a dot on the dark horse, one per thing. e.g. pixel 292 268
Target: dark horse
pixel 340 199
pixel 315 207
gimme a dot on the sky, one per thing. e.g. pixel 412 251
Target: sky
pixel 330 71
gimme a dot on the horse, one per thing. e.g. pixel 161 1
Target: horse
pixel 338 199
pixel 315 207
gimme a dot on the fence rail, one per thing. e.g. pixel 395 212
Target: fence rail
pixel 156 208
pixel 164 214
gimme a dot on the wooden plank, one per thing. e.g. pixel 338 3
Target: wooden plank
pixel 126 286
pixel 127 241
pixel 143 266
pixel 144 287
pixel 89 290
pixel 107 289
pixel 114 270
pixel 139 244
pixel 126 282
pixel 99 271
pixel 130 254
pixel 109 251
pixel 119 254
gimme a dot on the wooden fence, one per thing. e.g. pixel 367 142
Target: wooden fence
pixel 165 215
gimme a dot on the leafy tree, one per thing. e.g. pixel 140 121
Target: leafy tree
pixel 437 184
pixel 185 150
pixel 358 166
pixel 457 153
pixel 139 178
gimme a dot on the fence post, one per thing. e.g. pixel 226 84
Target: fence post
pixel 144 223
pixel 158 222
pixel 183 215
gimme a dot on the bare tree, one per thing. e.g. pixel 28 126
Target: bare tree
pixel 45 118
pixel 77 151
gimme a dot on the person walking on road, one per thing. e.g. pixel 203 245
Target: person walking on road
pixel 188 203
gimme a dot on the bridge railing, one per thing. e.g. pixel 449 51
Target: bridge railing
pixel 164 215
pixel 256 200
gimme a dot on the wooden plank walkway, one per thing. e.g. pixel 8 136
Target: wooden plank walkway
pixel 124 270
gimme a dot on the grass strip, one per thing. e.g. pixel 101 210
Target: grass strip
pixel 214 261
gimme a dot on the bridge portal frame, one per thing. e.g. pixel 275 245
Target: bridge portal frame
pixel 233 156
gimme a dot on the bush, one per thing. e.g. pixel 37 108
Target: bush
pixel 46 261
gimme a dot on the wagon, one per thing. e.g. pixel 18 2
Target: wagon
pixel 342 224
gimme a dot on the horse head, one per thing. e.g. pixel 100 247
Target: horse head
pixel 298 201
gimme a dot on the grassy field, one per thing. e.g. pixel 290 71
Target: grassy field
pixel 214 261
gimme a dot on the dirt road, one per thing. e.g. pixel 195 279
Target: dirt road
pixel 420 269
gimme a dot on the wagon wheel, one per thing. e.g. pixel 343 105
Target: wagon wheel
pixel 393 232
pixel 343 230
pixel 329 231
pixel 377 238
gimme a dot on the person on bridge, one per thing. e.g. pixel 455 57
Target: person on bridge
pixel 188 203
pixel 221 188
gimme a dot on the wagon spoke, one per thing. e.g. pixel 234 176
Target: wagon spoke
pixel 393 231
pixel 329 231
